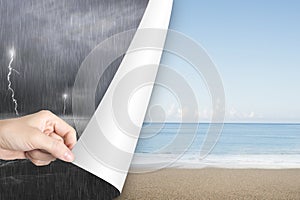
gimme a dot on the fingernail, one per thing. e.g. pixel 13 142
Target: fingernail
pixel 69 156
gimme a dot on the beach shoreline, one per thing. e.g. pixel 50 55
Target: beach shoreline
pixel 213 183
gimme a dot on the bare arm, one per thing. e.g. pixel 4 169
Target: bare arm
pixel 41 137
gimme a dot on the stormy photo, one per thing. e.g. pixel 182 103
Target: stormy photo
pixel 42 46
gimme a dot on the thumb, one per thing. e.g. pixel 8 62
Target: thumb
pixel 53 146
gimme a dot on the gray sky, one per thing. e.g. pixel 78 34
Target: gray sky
pixel 51 38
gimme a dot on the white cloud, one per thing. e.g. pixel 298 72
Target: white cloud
pixel 251 115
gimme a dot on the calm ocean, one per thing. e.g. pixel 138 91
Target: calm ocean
pixel 241 145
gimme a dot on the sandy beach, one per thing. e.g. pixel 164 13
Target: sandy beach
pixel 214 184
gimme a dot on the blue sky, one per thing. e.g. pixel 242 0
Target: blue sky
pixel 256 48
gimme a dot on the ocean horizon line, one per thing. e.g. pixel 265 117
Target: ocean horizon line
pixel 72 117
pixel 271 123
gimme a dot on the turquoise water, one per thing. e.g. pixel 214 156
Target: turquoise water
pixel 240 145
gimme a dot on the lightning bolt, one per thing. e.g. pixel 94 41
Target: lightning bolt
pixel 10 70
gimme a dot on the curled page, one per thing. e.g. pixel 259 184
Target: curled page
pixel 107 145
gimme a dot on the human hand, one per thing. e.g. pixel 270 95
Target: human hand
pixel 41 137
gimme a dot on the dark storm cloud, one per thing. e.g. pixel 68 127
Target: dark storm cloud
pixel 51 39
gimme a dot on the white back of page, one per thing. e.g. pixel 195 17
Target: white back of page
pixel 107 145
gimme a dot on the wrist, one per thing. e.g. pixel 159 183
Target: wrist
pixel 4 128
